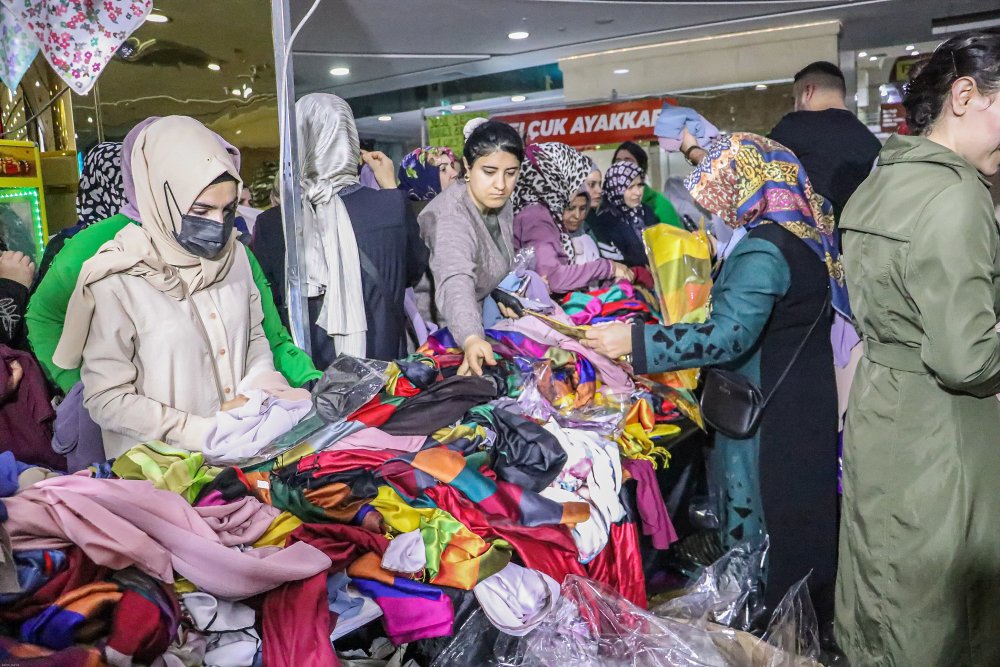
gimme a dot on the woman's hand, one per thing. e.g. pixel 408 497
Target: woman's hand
pixel 477 353
pixel 14 380
pixel 234 404
pixel 508 313
pixel 612 340
pixel 690 148
pixel 382 167
pixel 18 267
pixel 622 272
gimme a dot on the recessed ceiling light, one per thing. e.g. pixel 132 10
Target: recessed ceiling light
pixel 247 92
pixel 340 71
pixel 38 84
pixel 385 119
pixel 239 131
pixel 215 67
pixel 458 107
pixel 237 92
pixel 862 54
pixel 873 58
pixel 90 119
pixel 520 34
pixel 914 53
pixel 760 86
pixel 158 18
pixel 911 47
pixel 518 98
pixel 623 70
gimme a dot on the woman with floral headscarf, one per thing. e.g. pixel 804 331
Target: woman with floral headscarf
pixel 551 176
pixel 425 173
pixel 771 298
pixel 622 215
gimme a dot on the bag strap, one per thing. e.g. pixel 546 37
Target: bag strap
pixel 802 346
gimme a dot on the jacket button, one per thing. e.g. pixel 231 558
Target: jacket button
pixel 214 316
pixel 229 390
pixel 222 352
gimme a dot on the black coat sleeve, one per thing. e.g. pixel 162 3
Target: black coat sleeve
pixel 417 254
pixel 13 303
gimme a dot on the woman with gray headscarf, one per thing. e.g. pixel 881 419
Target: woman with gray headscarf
pixel 363 246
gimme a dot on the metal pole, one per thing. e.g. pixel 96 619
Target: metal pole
pixel 291 198
pixel 423 127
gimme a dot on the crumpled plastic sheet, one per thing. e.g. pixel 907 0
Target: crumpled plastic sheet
pixel 347 384
pixel 593 626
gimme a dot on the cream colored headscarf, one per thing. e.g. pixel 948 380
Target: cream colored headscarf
pixel 175 155
pixel 330 153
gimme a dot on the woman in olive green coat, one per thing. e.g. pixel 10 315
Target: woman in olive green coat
pixel 919 573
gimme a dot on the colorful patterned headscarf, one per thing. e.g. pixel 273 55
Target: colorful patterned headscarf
pixel 419 177
pixel 749 180
pixel 552 174
pixel 617 180
pixel 101 194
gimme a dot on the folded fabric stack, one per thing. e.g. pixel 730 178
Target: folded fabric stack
pixel 408 500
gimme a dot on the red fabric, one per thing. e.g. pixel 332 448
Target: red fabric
pixel 342 543
pixel 297 625
pixel 643 277
pixel 80 571
pixel 137 628
pixel 548 549
pixel 374 413
pixel 26 414
pixel 619 565
pixel 328 463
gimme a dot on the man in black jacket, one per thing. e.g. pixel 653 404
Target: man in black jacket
pixel 837 150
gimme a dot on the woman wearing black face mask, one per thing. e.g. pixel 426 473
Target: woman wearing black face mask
pixel 166 318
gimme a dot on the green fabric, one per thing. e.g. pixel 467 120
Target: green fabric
pixel 753 278
pixel 919 542
pixel 168 468
pixel 662 208
pixel 47 309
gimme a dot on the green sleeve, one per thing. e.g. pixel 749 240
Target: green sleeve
pixel 754 277
pixel 289 359
pixel 662 208
pixel 47 309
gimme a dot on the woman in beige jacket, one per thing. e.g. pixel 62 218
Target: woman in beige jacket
pixel 166 318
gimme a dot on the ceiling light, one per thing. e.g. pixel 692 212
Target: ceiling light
pixel 158 18
pixel 458 107
pixel 760 86
pixel 239 131
pixel 911 47
pixel 862 54
pixel 873 59
pixel 237 92
pixel 90 119
pixel 518 98
pixel 340 71
pixel 621 71
pixel 38 84
pixel 385 119
pixel 520 34
pixel 247 92
pixel 215 67
pixel 914 53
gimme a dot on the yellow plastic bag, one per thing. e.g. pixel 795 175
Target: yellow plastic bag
pixel 681 263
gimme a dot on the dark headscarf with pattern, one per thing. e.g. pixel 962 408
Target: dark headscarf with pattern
pixel 101 194
pixel 617 180
pixel 419 177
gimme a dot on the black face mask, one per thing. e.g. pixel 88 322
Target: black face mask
pixel 204 237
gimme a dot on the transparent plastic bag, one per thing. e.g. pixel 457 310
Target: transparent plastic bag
pixel 347 384
pixel 524 260
pixel 541 400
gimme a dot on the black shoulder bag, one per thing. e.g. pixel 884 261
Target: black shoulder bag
pixel 732 404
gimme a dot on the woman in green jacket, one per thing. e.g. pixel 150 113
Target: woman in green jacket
pixel 47 309
pixel 919 572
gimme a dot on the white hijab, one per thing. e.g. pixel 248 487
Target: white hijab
pixel 329 155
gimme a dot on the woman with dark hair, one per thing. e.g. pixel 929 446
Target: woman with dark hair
pixel 165 319
pixel 469 231
pixel 770 323
pixel 661 207
pixel 552 174
pixel 618 226
pixel 919 574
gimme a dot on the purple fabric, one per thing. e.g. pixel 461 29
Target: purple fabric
pixel 534 227
pixel 844 338
pixel 656 521
pixel 131 209
pixel 26 413
pixel 421 327
pixel 378 440
pixel 367 178
pixel 411 610
pixel 611 374
pixel 75 435
pixel 213 499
